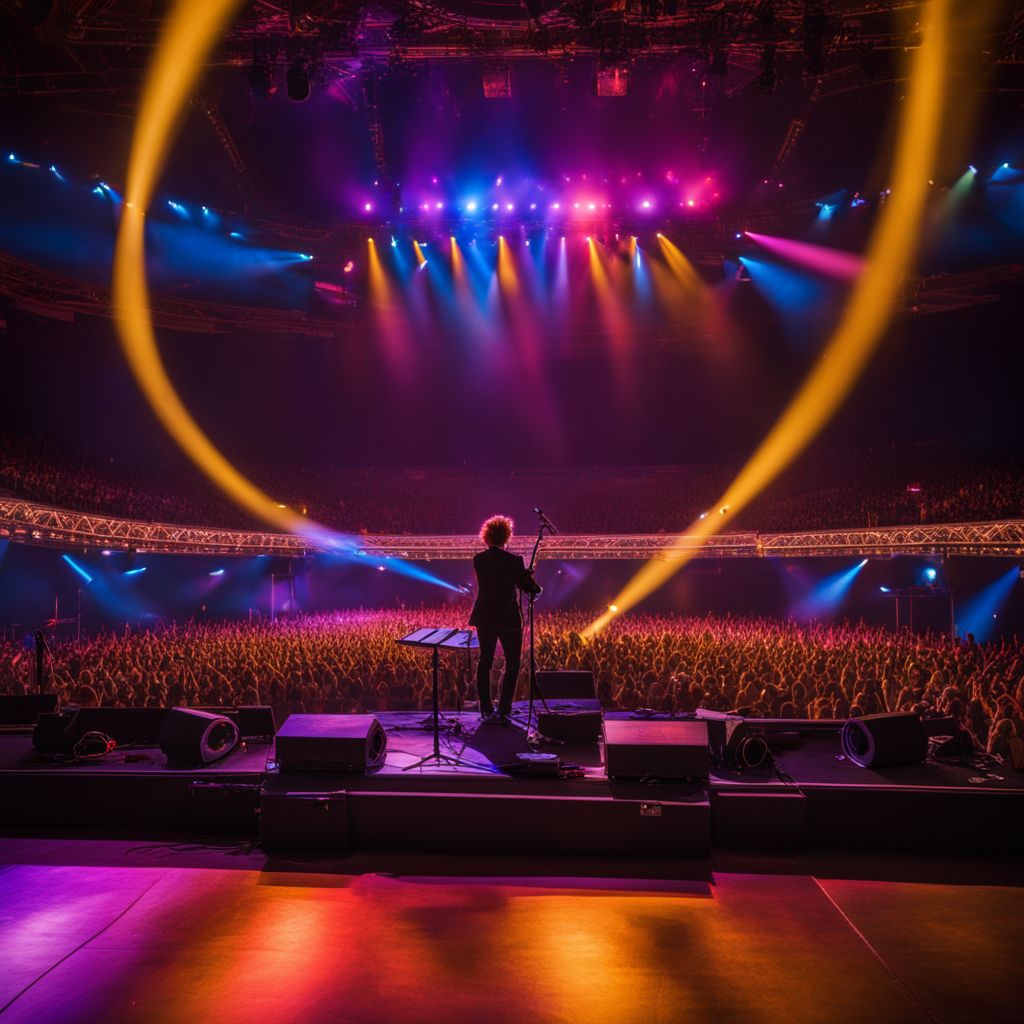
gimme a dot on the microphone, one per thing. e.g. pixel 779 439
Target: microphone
pixel 545 521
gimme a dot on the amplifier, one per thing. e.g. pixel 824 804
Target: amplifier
pixel 567 684
pixel 337 744
pixel 570 727
pixel 636 749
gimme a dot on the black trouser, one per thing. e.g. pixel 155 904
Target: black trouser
pixel 512 647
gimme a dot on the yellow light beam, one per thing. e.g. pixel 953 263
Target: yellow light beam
pixel 189 33
pixel 855 338
pixel 508 276
pixel 458 265
pixel 616 323
pixel 388 315
pixel 682 269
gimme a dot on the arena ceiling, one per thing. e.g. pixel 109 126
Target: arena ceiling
pixel 55 36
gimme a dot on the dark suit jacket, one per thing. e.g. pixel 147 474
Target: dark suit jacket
pixel 500 576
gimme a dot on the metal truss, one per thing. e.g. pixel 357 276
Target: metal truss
pixel 1004 538
pixel 103 46
pixel 31 523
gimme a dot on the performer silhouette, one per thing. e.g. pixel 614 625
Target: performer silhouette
pixel 500 577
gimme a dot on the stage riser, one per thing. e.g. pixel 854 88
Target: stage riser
pixel 107 801
pixel 469 823
pixel 752 820
pixel 869 818
pixel 947 821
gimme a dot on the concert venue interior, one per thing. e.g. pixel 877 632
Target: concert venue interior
pixel 719 301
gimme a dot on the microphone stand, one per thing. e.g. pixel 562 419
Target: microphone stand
pixel 534 688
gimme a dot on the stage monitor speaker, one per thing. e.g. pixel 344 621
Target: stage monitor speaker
pixel 567 685
pixel 336 744
pixel 25 708
pixel 883 741
pixel 655 749
pixel 197 737
pixel 570 727
pixel 256 721
pixel 731 742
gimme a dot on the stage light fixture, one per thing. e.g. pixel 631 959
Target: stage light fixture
pixel 261 72
pixel 767 78
pixel 612 81
pixel 497 84
pixel 298 82
pixel 815 38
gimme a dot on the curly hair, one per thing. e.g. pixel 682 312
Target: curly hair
pixel 496 531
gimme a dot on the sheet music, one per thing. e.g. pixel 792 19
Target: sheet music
pixel 461 639
pixel 457 639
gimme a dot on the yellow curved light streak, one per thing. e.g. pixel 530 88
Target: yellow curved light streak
pixel 190 32
pixel 856 337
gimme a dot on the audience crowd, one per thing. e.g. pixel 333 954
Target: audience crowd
pixel 895 485
pixel 348 661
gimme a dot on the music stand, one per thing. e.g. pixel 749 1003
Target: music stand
pixel 450 639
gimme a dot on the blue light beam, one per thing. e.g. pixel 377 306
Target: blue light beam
pixel 74 565
pixel 980 613
pixel 827 595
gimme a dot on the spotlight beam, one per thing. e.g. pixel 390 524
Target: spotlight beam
pixel 843 266
pixel 857 335
pixel 187 37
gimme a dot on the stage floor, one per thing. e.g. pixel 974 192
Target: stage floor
pixel 149 932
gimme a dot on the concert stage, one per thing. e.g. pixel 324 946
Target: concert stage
pixel 810 798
